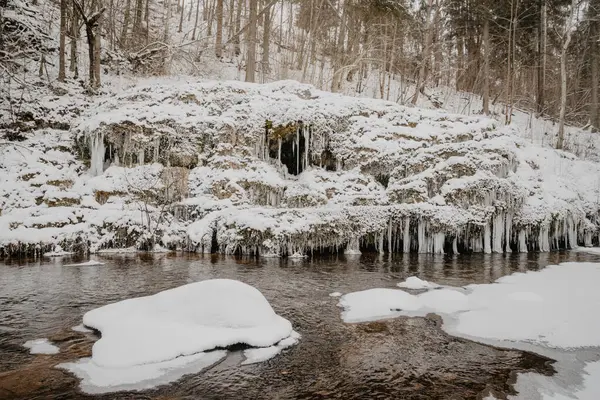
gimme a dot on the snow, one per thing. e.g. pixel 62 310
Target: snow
pixel 552 307
pixel 413 282
pixel 41 346
pixel 186 320
pixel 96 379
pixel 151 340
pixel 261 354
pixel 592 250
pixel 335 294
pixel 57 252
pixel 591 386
pixel 448 177
pixel 90 263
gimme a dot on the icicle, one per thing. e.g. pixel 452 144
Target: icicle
pixel 389 236
pixel 306 146
pixel 587 239
pixel 543 239
pixel 141 157
pixel 508 232
pixel 353 246
pixel 406 235
pixel 487 236
pixel 156 149
pixel 438 242
pixel 381 243
pixel 498 232
pixel 421 236
pixel 298 151
pixel 279 149
pixel 522 241
pixel 572 231
pixel 97 151
pixel 455 245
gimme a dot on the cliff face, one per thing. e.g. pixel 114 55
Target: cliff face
pixel 285 169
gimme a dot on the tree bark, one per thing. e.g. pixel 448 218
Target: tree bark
pixel 181 16
pixel 563 77
pixel 74 38
pixel 126 18
pixel 595 63
pixel 251 54
pixel 238 23
pixel 266 42
pixel 420 86
pixel 62 40
pixel 219 33
pixel 486 66
pixel 541 75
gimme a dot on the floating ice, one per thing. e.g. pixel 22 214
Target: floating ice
pixel 591 386
pixel 415 283
pixel 96 379
pixel 335 294
pixel 555 307
pixel 90 263
pixel 57 252
pixel 261 354
pixel 41 346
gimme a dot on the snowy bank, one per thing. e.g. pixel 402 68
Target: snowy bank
pixel 147 337
pixel 285 169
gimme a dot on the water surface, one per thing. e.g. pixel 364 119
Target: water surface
pixel 408 358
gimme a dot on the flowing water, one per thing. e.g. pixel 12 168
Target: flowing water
pixel 403 358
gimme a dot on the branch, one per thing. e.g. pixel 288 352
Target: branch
pixel 260 14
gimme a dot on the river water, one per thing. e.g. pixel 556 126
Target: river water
pixel 403 358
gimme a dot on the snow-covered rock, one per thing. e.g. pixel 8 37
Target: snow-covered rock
pixel 185 320
pixel 283 168
pixel 155 339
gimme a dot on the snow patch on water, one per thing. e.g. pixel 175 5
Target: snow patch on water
pixel 415 283
pixel 41 346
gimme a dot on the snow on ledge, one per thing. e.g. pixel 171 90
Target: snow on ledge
pixel 41 346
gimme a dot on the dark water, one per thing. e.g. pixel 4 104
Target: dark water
pixel 404 358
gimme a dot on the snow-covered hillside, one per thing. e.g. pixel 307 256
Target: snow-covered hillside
pixel 284 169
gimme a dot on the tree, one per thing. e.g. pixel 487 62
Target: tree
pixel 219 33
pixel 92 24
pixel 563 75
pixel 62 45
pixel 251 42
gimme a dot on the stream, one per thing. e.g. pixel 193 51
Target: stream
pixel 402 358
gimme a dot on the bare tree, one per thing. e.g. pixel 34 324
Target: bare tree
pixel 93 38
pixel 563 75
pixel 62 45
pixel 251 42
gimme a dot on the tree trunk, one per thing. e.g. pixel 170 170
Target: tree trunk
pixel 266 42
pixel 62 45
pixel 486 66
pixel 181 16
pixel 196 21
pixel 137 21
pixel 238 24
pixel 74 38
pixel 219 33
pixel 97 45
pixel 563 77
pixel 420 86
pixel 595 64
pixel 126 18
pixel 541 73
pixel 251 54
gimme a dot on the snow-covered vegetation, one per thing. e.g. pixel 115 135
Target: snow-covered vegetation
pixel 284 168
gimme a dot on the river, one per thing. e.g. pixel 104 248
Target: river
pixel 403 358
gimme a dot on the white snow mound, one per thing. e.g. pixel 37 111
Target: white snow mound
pixel 183 321
pixel 90 263
pixel 415 283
